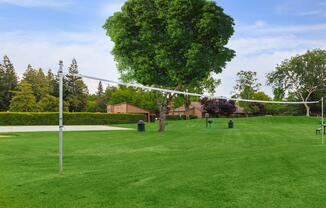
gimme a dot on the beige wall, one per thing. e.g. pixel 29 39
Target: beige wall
pixel 120 108
pixel 134 109
pixel 198 113
pixel 127 108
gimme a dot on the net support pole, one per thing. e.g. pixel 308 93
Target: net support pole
pixel 60 74
pixel 322 120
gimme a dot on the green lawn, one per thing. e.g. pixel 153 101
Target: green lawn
pixel 263 162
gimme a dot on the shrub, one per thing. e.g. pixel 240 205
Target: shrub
pixel 25 119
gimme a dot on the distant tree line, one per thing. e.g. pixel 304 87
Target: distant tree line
pixel 300 78
pixel 38 91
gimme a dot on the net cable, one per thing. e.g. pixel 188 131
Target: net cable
pixel 189 93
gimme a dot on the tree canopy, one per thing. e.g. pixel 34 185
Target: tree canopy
pixel 75 90
pixel 172 44
pixel 301 75
pixel 247 87
pixel 38 80
pixel 8 83
pixel 24 100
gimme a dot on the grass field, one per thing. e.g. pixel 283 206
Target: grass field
pixel 263 162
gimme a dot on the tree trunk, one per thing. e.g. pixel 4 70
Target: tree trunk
pixel 187 107
pixel 310 91
pixel 307 109
pixel 163 109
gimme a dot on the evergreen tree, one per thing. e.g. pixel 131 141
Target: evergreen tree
pixel 38 81
pixel 24 100
pixel 53 82
pixel 100 90
pixel 51 104
pixel 100 104
pixel 8 83
pixel 75 90
pixel 2 88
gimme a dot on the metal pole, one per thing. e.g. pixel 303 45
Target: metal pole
pixel 322 120
pixel 60 73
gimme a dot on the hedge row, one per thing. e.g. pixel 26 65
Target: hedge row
pixel 25 119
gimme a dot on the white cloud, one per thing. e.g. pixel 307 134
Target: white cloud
pixel 110 8
pixel 92 51
pixel 263 46
pixel 261 63
pixel 260 24
pixel 302 8
pixel 312 13
pixel 256 51
pixel 39 3
pixel 295 29
pixel 266 44
pixel 262 28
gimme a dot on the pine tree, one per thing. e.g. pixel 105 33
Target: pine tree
pixel 100 90
pixel 24 100
pixel 38 81
pixel 101 100
pixel 2 88
pixel 8 83
pixel 53 81
pixel 51 104
pixel 76 91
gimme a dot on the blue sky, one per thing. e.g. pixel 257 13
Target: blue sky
pixel 41 32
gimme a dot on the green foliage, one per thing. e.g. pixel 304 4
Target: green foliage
pixel 75 90
pixel 11 119
pixel 24 100
pixel 100 102
pixel 173 44
pixel 170 43
pixel 8 83
pixel 247 86
pixel 137 97
pixel 301 75
pixel 53 82
pixel 38 82
pixel 51 104
pixel 100 90
pixel 96 103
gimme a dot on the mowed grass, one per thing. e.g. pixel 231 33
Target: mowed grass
pixel 263 162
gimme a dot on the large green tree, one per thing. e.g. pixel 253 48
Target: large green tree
pixel 301 75
pixel 50 103
pixel 53 83
pixel 76 91
pixel 172 44
pixel 24 99
pixel 246 87
pixel 8 83
pixel 38 80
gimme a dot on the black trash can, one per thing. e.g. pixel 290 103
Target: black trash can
pixel 141 126
pixel 230 124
